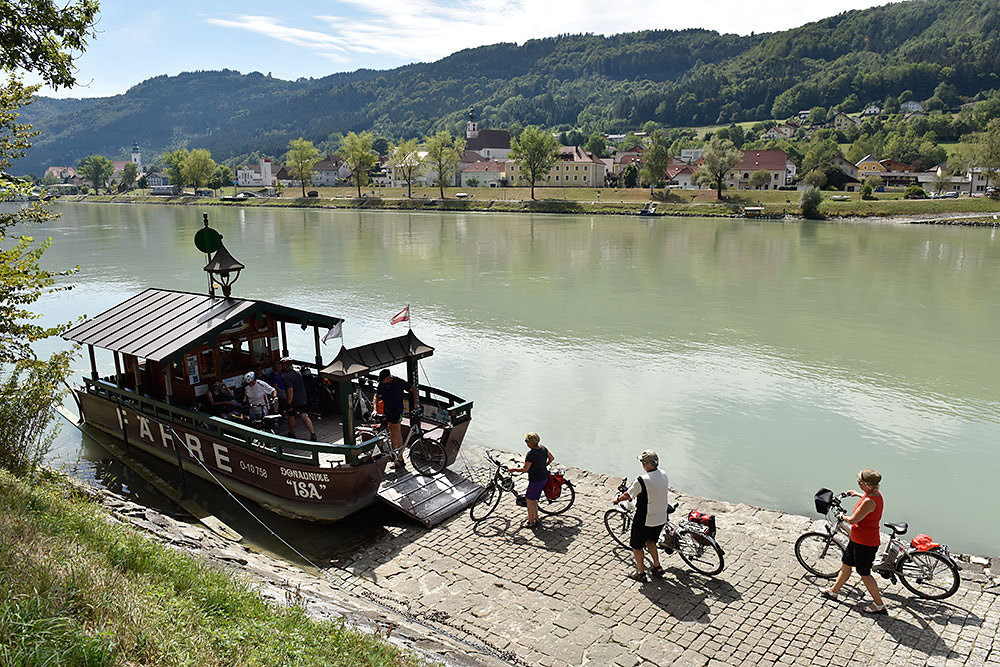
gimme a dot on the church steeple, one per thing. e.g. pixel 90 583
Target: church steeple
pixel 137 157
pixel 472 126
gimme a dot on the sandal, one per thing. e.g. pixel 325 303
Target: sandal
pixel 638 576
pixel 829 594
pixel 657 572
pixel 872 608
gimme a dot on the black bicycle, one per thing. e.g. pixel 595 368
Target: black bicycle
pixel 427 454
pixel 924 567
pixel 503 481
pixel 693 541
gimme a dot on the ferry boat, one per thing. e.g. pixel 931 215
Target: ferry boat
pixel 169 346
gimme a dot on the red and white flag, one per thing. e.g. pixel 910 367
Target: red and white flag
pixel 401 316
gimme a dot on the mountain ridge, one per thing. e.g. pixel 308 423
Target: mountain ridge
pixel 674 77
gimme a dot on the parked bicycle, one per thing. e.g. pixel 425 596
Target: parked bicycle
pixel 427 454
pixel 503 481
pixel 692 538
pixel 923 566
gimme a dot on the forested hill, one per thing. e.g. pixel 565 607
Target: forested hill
pixel 677 78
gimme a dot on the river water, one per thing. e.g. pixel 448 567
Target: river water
pixel 761 360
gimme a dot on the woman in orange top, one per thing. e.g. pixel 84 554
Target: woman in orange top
pixel 864 542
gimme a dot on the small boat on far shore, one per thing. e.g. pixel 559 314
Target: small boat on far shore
pixel 649 209
pixel 758 213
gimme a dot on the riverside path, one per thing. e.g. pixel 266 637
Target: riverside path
pixel 558 595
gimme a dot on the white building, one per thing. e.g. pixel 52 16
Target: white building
pixel 489 144
pixel 330 171
pixel 255 175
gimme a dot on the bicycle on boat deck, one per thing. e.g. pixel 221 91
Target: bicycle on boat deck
pixel 427 454
pixel 924 567
pixel 692 539
pixel 503 481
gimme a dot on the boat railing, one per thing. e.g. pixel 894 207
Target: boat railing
pixel 270 444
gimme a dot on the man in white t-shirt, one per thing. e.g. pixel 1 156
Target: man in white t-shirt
pixel 255 392
pixel 650 494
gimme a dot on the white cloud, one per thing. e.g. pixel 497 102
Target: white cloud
pixel 426 30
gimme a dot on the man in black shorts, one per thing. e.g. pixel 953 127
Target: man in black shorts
pixel 298 401
pixel 391 390
pixel 650 494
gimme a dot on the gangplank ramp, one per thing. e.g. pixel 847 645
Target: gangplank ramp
pixel 430 499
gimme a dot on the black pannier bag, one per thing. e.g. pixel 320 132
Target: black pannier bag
pixel 824 498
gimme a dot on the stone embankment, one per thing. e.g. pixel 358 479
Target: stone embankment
pixel 497 591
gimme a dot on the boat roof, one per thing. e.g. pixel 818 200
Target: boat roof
pixel 373 356
pixel 162 325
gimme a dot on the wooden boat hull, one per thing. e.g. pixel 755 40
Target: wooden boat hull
pixel 297 490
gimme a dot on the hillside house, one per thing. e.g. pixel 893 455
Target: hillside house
pixel 911 106
pixel 63 175
pixel 841 121
pixel 872 110
pixel 843 165
pixel 783 131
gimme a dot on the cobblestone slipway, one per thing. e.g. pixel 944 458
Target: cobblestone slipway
pixel 558 595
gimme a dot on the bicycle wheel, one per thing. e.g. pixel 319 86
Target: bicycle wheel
pixel 487 501
pixel 428 456
pixel 820 554
pixel 928 574
pixel 700 552
pixel 619 525
pixel 560 504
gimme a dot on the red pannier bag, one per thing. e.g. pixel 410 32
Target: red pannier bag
pixel 923 543
pixel 553 487
pixel 707 520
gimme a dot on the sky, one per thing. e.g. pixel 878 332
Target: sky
pixel 313 38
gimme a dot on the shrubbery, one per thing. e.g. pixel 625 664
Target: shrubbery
pixel 914 192
pixel 809 203
pixel 28 395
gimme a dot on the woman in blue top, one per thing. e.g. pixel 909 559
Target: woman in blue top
pixel 536 464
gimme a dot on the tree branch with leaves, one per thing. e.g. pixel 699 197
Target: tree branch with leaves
pixel 443 154
pixel 536 151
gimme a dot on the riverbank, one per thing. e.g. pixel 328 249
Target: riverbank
pixel 471 593
pixel 78 585
pixel 613 202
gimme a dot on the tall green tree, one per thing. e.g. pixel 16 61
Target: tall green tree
pixel 302 156
pixel 175 165
pixel 360 158
pixel 443 154
pixel 221 177
pixel 97 169
pixel 656 159
pixel 197 168
pixel 597 145
pixel 760 178
pixel 720 156
pixel 536 151
pixel 129 172
pixel 406 159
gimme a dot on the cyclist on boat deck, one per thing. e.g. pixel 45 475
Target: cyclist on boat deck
pixel 650 494
pixel 536 464
pixel 391 390
pixel 255 393
pixel 864 542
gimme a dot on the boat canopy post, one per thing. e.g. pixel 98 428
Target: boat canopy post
pixel 284 340
pixel 168 380
pixel 118 369
pixel 344 394
pixel 319 354
pixel 412 373
pixel 135 374
pixel 93 363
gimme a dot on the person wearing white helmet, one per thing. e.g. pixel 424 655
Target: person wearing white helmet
pixel 255 392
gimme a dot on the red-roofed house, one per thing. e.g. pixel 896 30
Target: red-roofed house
pixel 66 175
pixel 486 173
pixel 680 175
pixel 775 162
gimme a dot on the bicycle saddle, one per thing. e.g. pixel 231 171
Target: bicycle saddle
pixel 671 508
pixel 898 528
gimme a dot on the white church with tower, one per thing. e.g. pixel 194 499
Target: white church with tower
pixel 488 144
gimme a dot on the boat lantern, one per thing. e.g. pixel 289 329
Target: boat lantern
pixel 222 268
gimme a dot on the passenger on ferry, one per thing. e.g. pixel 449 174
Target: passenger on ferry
pixel 255 393
pixel 272 376
pixel 391 390
pixel 221 399
pixel 297 399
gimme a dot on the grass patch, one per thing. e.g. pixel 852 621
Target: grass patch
pixel 77 589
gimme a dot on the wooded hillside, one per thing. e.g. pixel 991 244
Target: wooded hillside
pixel 588 82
